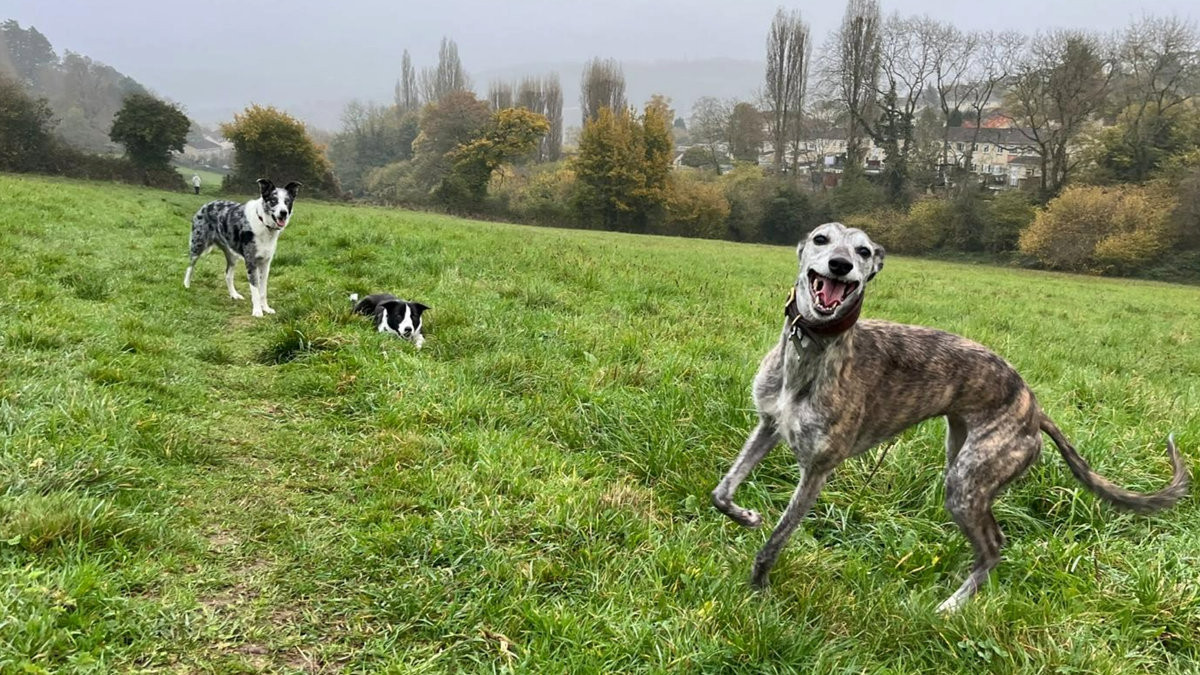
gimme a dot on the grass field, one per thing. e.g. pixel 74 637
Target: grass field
pixel 210 181
pixel 186 489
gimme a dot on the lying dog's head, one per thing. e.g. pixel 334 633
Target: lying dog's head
pixel 400 318
pixel 836 262
pixel 277 203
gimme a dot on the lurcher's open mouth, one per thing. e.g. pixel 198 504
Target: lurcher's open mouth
pixel 828 294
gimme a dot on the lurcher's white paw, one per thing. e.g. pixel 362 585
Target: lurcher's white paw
pixel 951 605
pixel 268 310
pixel 237 296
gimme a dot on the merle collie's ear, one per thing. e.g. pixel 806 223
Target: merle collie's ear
pixel 293 187
pixel 266 186
pixel 420 307
pixel 876 261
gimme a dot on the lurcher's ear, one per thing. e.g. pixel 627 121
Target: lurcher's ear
pixel 420 307
pixel 265 185
pixel 877 261
pixel 292 187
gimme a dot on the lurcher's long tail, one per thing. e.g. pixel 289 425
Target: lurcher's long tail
pixel 1142 502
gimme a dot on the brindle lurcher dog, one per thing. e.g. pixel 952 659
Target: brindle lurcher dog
pixel 833 387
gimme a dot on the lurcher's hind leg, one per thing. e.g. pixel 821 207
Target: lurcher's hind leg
pixel 983 467
pixel 230 265
pixel 956 435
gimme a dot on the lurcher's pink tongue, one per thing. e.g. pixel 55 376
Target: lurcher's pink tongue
pixel 831 291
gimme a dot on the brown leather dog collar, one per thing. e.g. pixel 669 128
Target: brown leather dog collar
pixel 802 331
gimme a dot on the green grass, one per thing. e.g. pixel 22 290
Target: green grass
pixel 186 489
pixel 210 181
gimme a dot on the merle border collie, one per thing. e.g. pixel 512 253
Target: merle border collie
pixel 393 315
pixel 248 231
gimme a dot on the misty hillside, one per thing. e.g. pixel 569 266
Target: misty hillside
pixel 84 94
pixel 682 81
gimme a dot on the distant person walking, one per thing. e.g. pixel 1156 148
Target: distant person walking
pixel 196 182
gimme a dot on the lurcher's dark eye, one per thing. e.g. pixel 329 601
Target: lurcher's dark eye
pixel 820 240
pixel 863 251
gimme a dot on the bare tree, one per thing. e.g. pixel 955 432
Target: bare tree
pixel 500 94
pixel 995 60
pixel 788 52
pixel 709 127
pixel 449 75
pixel 851 71
pixel 552 89
pixel 427 85
pixel 905 60
pixel 530 95
pixel 603 86
pixel 953 55
pixel 1159 70
pixel 407 96
pixel 1060 82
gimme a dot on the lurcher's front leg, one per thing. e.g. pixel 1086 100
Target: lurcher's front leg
pixel 761 441
pixel 801 502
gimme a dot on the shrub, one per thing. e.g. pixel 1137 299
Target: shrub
pixel 695 208
pixel 396 184
pixel 542 197
pixel 1185 219
pixel 787 214
pixel 25 139
pixel 929 225
pixel 1100 230
pixel 745 189
pixel 1007 214
pixel 272 144
pixel 887 227
pixel 854 195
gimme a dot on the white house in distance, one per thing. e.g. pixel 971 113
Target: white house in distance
pixel 1003 157
pixel 208 151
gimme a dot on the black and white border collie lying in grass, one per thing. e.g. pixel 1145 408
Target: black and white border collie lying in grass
pixel 393 315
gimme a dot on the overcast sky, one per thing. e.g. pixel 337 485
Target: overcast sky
pixel 219 54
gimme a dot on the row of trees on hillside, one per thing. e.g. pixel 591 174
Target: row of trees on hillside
pixel 429 145
pixel 543 96
pixel 148 129
pixel 83 95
